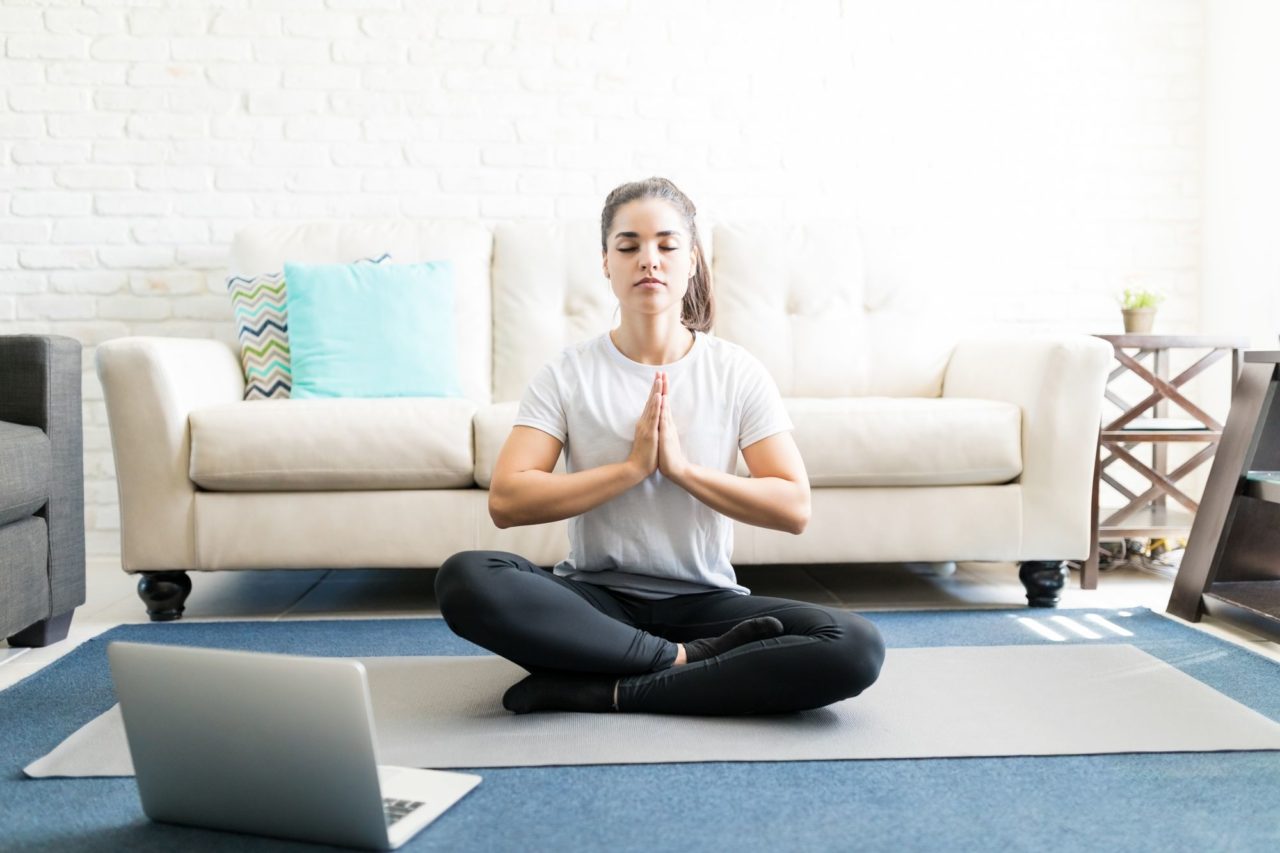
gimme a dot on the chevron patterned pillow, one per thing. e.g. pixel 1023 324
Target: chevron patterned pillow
pixel 263 328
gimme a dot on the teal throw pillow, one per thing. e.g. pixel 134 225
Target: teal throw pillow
pixel 366 330
pixel 262 325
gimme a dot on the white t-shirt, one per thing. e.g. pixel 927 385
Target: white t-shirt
pixel 654 540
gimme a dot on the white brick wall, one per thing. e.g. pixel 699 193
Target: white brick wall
pixel 1017 159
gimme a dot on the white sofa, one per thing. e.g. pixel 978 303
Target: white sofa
pixel 921 446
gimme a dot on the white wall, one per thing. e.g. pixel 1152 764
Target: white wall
pixel 1020 159
pixel 1240 272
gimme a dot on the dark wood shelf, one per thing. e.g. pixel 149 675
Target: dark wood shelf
pixel 1231 568
pixel 1263 485
pixel 1262 596
pixel 1252 603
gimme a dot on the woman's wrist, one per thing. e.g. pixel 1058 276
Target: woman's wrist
pixel 682 475
pixel 635 472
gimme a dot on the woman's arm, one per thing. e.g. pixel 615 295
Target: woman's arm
pixel 524 491
pixel 538 497
pixel 776 495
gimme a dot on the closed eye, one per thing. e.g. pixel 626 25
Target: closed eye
pixel 663 248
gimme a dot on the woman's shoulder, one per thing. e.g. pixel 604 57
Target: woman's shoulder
pixel 574 355
pixel 731 354
pixel 584 350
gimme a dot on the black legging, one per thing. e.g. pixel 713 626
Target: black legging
pixel 543 622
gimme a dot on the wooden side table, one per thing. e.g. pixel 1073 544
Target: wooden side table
pixel 1147 512
pixel 1231 569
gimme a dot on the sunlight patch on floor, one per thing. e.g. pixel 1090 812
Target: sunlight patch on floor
pixel 1076 628
pixel 1106 623
pixel 1041 629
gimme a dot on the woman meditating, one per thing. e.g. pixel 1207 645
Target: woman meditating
pixel 646 614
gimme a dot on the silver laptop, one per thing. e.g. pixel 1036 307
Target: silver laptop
pixel 269 744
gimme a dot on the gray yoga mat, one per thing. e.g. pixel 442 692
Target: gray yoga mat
pixel 444 712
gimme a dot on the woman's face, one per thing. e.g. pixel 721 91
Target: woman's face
pixel 649 257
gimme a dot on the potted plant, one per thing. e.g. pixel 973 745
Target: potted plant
pixel 1138 304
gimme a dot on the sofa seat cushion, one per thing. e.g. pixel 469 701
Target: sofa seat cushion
pixel 906 441
pixel 24 574
pixel 861 441
pixel 493 425
pixel 26 467
pixel 333 444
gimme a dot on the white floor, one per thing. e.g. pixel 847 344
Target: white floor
pixel 112 599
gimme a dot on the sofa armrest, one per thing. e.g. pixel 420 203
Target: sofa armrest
pixel 40 387
pixel 151 385
pixel 1058 382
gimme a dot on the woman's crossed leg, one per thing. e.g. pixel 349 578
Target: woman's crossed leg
pixel 823 655
pixel 578 639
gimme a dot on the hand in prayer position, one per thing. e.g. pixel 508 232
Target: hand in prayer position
pixel 671 459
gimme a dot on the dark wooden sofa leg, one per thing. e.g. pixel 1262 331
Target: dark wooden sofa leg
pixel 1044 580
pixel 165 594
pixel 46 631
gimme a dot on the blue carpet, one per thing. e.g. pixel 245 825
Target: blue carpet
pixel 1194 801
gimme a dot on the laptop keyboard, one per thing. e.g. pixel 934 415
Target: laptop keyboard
pixel 396 809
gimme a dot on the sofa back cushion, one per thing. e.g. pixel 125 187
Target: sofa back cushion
pixel 796 297
pixel 549 291
pixel 468 245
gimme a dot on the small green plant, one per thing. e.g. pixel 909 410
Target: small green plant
pixel 1139 297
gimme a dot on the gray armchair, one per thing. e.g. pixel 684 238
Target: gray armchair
pixel 41 488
